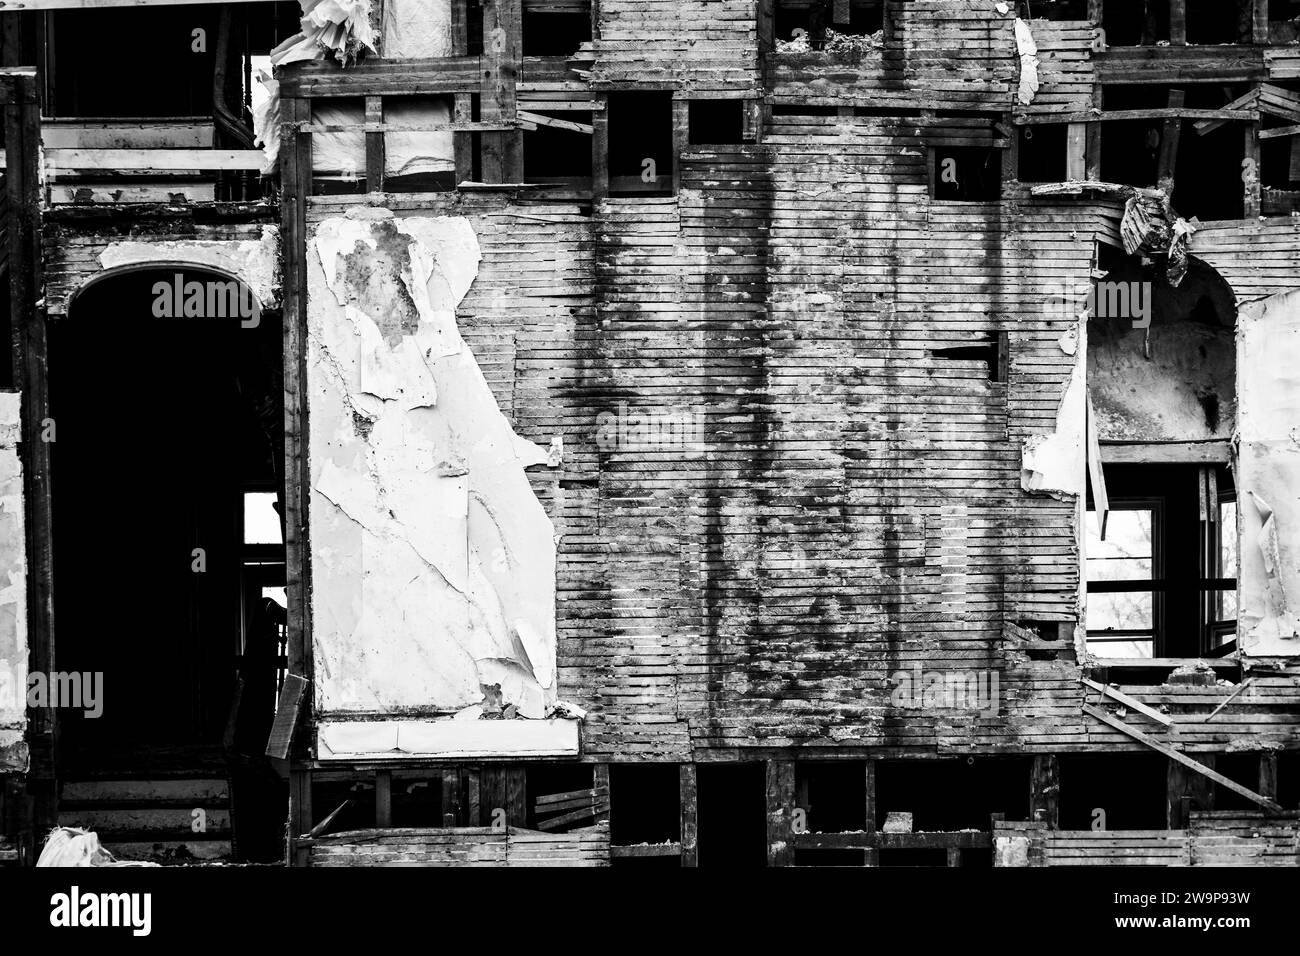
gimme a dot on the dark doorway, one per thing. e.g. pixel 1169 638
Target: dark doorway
pixel 169 442
pixel 732 814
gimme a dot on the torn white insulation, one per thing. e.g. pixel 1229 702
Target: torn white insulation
pixel 13 591
pixel 329 28
pixel 1027 50
pixel 1268 473
pixel 411 29
pixel 1055 463
pixel 433 561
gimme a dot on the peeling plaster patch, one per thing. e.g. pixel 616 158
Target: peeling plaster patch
pixel 1268 472
pixel 433 561
pixel 13 590
pixel 255 262
pixel 1027 49
pixel 1055 463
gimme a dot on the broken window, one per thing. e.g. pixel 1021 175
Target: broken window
pixel 732 814
pixel 716 122
pixel 1041 153
pixel 645 809
pixel 557 145
pixel 836 26
pixel 555 27
pixel 1125 574
pixel 966 173
pixel 1162 579
pixel 641 143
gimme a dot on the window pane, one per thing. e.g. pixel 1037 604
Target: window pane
pixel 1134 648
pixel 1125 555
pixel 1225 605
pixel 1127 611
pixel 1227 539
pixel 261 520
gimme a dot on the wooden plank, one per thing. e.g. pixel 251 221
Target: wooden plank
pixel 1227 700
pixel 29 5
pixel 600 151
pixel 1128 701
pixel 687 789
pixel 537 119
pixel 183 160
pixel 1207 452
pixel 1186 761
pixel 643 850
pixel 288 711
pixel 596 810
pixel 1163 112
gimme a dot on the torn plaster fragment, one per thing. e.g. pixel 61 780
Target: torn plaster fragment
pixel 1054 463
pixel 456 574
pixel 254 262
pixel 1027 50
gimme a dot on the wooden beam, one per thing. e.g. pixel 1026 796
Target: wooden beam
pixel 1045 790
pixel 1259 33
pixel 1268 774
pixel 383 798
pixel 600 150
pixel 1169 137
pixel 1152 453
pixel 870 856
pixel 688 791
pixel 30 374
pixel 374 144
pixel 1183 759
pixel 537 119
pixel 1105 116
pixel 780 812
pixel 1178 22
pixel 452 808
pixel 600 784
pixel 181 160
pixel 502 156
pixel 1250 176
pixel 30 5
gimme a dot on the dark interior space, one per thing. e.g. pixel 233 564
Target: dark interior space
pixel 195 403
pixel 546 779
pixel 1243 768
pixel 716 122
pixel 1040 156
pixel 1130 149
pixel 866 17
pixel 641 143
pixel 928 788
pixel 1135 22
pixel 966 173
pixel 645 803
pixel 1129 789
pixel 913 857
pixel 554 33
pixel 1061 10
pixel 357 800
pixel 1215 21
pixel 732 814
pixel 554 153
pixel 833 796
pixel 91 78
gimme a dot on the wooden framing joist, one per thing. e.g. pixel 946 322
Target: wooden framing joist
pixel 1182 758
pixel 183 160
pixel 1164 112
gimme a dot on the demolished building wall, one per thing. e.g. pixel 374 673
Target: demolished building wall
pixel 13 592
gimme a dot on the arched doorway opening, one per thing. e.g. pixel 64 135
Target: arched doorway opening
pixel 1161 549
pixel 166 394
